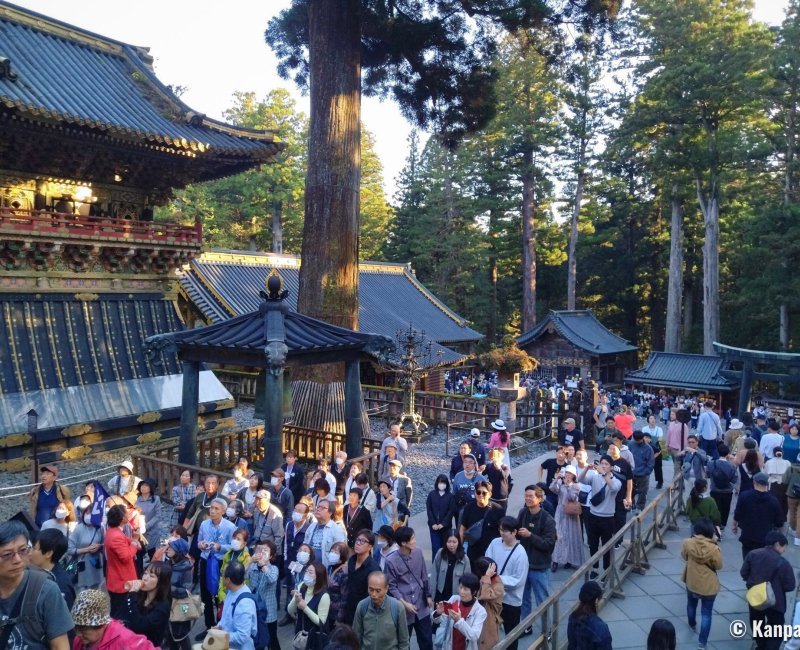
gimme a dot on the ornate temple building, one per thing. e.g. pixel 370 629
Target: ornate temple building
pixel 90 142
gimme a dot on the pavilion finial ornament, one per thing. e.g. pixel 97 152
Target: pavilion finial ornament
pixel 275 291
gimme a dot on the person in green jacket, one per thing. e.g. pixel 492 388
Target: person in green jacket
pixel 700 504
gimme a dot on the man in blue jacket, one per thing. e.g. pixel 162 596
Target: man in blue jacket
pixel 644 462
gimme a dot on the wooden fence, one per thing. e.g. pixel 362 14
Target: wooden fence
pixel 218 452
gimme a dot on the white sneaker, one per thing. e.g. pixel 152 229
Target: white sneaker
pixel 797 541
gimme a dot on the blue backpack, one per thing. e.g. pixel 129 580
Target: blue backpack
pixel 261 637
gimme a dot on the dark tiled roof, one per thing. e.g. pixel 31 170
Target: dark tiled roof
pixel 65 74
pixel 390 297
pixel 249 334
pixel 692 371
pixel 582 329
pixel 57 341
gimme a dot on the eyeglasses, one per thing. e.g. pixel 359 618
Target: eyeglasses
pixel 9 555
pixel 361 540
pixel 482 493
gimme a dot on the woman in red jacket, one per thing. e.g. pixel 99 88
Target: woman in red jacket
pixel 120 554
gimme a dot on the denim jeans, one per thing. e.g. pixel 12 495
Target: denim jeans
pixel 710 447
pixel 706 607
pixel 539 583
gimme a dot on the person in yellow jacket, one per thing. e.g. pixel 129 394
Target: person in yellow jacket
pixel 703 560
pixel 238 553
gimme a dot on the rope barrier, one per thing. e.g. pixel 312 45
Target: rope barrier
pixel 74 476
pixel 24 494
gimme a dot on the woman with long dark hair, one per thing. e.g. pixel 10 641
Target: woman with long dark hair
pixel 449 564
pixel 148 610
pixel 662 635
pixel 311 604
pixel 699 504
pixel 585 629
pixel 751 465
pixel 177 554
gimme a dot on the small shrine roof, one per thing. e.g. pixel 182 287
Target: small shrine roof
pixel 582 329
pixel 680 370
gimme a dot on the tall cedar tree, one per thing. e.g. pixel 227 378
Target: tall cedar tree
pixel 432 56
pixel 706 80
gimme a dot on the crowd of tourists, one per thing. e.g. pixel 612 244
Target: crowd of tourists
pixel 328 550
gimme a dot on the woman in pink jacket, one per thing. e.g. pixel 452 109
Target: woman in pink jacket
pixel 96 630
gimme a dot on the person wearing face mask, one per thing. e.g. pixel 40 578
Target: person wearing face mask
pixel 63 519
pixel 281 495
pixel 341 471
pixel 311 605
pixel 305 556
pixel 177 556
pixel 296 529
pixel 85 544
pixel 355 515
pixel 262 576
pixel 238 553
pixel 233 513
pixel 337 579
pixel 247 496
pixel 441 507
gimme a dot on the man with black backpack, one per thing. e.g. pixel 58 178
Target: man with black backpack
pixel 723 476
pixel 33 613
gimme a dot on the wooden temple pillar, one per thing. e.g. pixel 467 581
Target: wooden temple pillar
pixel 187 450
pixel 745 388
pixel 354 443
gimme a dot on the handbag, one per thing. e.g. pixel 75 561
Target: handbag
pixel 761 596
pixel 192 525
pixel 598 498
pixel 300 641
pixel 185 609
pixel 474 532
pixel 573 508
pixel 212 573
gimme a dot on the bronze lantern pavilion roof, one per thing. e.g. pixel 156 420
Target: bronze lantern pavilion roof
pixel 244 339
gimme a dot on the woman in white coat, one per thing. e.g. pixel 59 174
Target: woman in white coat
pixel 461 616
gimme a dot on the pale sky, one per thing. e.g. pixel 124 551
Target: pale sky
pixel 216 48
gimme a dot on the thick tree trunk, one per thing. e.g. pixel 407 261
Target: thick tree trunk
pixel 491 327
pixel 784 326
pixel 572 262
pixel 528 242
pixel 709 205
pixel 672 337
pixel 329 272
pixel 688 309
pixel 277 226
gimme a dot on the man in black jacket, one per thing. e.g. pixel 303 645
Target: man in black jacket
pixel 537 534
pixel 295 480
pixel 768 565
pixel 757 513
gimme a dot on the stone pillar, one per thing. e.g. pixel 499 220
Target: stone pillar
pixel 745 388
pixel 273 419
pixel 507 393
pixel 354 444
pixel 187 449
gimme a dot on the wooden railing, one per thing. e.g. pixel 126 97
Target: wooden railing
pixel 435 408
pixel 645 532
pixel 167 473
pixel 66 225
pixel 218 452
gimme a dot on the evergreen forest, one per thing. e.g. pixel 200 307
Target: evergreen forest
pixel 645 168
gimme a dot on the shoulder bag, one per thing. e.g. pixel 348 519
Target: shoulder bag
pixel 761 596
